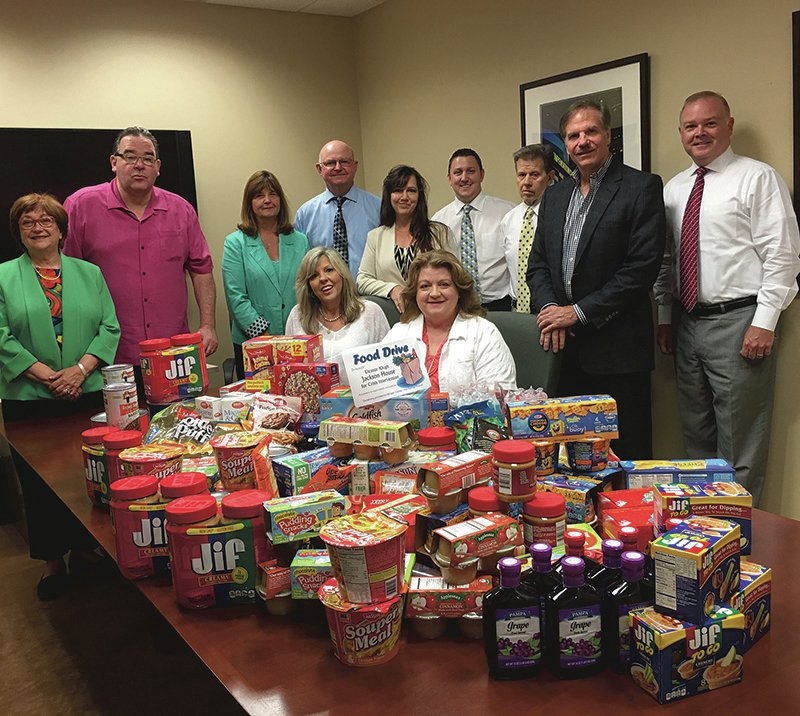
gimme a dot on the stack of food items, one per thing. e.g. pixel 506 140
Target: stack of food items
pixel 173 369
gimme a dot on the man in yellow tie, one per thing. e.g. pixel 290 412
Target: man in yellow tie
pixel 535 172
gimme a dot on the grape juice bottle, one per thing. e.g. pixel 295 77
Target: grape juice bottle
pixel 574 642
pixel 629 536
pixel 632 592
pixel 574 541
pixel 610 572
pixel 512 632
pixel 540 580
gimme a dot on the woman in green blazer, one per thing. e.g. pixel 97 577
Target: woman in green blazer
pixel 57 327
pixel 259 264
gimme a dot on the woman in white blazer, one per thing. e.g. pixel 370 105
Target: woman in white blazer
pixel 404 232
pixel 443 312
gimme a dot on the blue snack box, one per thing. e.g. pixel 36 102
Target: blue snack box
pixel 646 473
pixel 413 408
pixel 564 418
pixel 292 472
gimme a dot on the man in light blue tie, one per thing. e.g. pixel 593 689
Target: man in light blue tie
pixel 342 215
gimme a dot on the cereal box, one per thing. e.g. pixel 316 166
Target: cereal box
pixel 579 493
pixel 412 408
pixel 432 596
pixel 293 472
pixel 454 473
pixel 261 352
pixel 754 600
pixel 479 537
pixel 696 567
pixel 728 500
pixel 672 659
pixel 307 381
pixel 641 517
pixel 293 519
pixel 646 473
pixel 564 418
pixel 390 433
pixel 310 569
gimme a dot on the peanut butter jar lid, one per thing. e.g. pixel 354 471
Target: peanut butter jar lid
pixel 153 344
pixel 134 488
pixel 94 436
pixel 194 508
pixel 483 499
pixel 181 484
pixel 121 439
pixel 432 437
pixel 244 504
pixel 545 504
pixel 186 339
pixel 513 451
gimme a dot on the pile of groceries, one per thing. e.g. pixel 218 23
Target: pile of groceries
pixel 507 519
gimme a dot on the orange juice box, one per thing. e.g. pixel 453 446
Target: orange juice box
pixel 754 600
pixel 561 419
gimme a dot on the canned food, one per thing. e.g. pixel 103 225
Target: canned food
pixel 121 403
pixel 117 373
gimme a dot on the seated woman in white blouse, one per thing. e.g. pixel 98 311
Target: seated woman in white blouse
pixel 327 304
pixel 443 311
pixel 404 232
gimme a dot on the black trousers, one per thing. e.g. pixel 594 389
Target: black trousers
pixel 501 304
pixel 238 359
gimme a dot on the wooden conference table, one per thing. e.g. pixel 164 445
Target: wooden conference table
pixel 285 665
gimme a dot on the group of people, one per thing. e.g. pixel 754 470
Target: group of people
pixel 719 244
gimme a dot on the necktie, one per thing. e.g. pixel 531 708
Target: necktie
pixel 689 239
pixel 340 229
pixel 469 254
pixel 523 252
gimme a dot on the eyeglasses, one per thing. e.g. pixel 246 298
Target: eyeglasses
pixel 343 163
pixel 45 222
pixel 130 158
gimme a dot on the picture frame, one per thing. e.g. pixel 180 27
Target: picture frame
pixel 623 85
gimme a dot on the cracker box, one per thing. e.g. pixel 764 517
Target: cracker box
pixel 389 433
pixel 646 473
pixel 624 500
pixel 479 537
pixel 672 659
pixel 728 500
pixel 696 567
pixel 293 519
pixel 261 352
pixel 427 524
pixel 458 472
pixel 412 408
pixel 307 381
pixel 310 569
pixel 640 517
pixel 208 407
pixel 580 494
pixel 293 472
pixel 432 596
pixel 754 600
pixel 560 419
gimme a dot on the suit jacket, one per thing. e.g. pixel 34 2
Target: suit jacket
pixel 26 328
pixel 617 262
pixel 253 287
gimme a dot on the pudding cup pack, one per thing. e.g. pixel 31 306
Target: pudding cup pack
pixel 310 569
pixel 296 518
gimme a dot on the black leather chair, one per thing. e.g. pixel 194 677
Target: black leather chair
pixel 536 368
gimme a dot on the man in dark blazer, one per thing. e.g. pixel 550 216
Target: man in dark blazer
pixel 596 254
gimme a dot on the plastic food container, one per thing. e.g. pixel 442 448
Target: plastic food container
pixel 94 464
pixel 544 519
pixel 590 455
pixel 546 457
pixel 428 626
pixel 513 463
pixel 158 460
pixel 234 453
pixel 482 501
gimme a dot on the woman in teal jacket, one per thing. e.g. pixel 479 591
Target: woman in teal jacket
pixel 259 264
pixel 57 327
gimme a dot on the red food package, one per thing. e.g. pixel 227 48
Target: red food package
pixel 262 466
pixel 624 499
pixel 329 477
pixel 641 517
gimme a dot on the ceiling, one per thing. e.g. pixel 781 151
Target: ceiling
pixel 345 8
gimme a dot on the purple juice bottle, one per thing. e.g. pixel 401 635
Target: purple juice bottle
pixel 574 636
pixel 610 571
pixel 540 580
pixel 512 632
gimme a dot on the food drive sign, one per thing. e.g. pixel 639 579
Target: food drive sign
pixel 381 371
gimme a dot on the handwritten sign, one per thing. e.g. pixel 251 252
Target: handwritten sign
pixel 385 370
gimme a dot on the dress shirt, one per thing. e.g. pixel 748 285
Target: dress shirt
pixel 370 327
pixel 488 212
pixel 142 260
pixel 474 354
pixel 748 241
pixel 511 226
pixel 361 213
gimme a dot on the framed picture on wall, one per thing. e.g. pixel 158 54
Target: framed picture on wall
pixel 622 85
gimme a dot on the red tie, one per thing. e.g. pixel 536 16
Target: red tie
pixel 689 236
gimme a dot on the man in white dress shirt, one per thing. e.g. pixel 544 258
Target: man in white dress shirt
pixel 535 171
pixel 474 218
pixel 729 271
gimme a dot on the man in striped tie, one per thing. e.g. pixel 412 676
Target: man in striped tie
pixel 729 270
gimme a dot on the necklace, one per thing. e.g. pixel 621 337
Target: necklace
pixel 330 320
pixel 42 276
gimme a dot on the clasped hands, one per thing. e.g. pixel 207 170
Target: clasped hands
pixel 555 324
pixel 64 384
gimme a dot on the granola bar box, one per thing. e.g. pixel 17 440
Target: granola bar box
pixel 580 416
pixel 673 659
pixel 754 600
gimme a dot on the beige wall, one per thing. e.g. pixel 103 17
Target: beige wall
pixel 433 76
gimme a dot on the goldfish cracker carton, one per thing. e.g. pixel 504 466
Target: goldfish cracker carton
pixel 293 519
pixel 727 500
pixel 579 493
pixel 294 472
pixel 310 569
pixel 646 473
pixel 672 659
pixel 432 596
pixel 389 433
pixel 560 419
pixel 696 567
pixel 479 537
pixel 413 408
pixel 754 601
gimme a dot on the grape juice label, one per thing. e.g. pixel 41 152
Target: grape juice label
pixel 519 637
pixel 624 630
pixel 579 636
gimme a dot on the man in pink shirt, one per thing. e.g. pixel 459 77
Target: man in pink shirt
pixel 143 239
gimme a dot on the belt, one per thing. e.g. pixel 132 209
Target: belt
pixel 714 309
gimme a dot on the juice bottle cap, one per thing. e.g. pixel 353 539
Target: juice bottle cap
pixel 509 568
pixel 612 552
pixel 629 534
pixel 574 538
pixel 673 522
pixel 632 566
pixel 572 568
pixel 541 554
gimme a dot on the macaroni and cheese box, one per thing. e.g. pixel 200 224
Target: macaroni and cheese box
pixel 672 659
pixel 310 569
pixel 412 408
pixel 754 600
pixel 583 416
pixel 646 473
pixel 580 494
pixel 696 567
pixel 261 352
pixel 728 500
pixel 432 596
pixel 390 433
pixel 293 519
pixel 293 472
